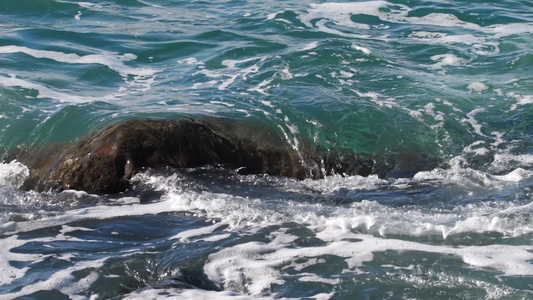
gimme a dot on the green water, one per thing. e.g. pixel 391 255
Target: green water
pixel 451 80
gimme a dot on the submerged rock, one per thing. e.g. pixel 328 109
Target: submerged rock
pixel 104 161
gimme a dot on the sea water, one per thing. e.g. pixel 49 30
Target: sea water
pixel 448 79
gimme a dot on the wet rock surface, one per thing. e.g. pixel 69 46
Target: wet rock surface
pixel 103 162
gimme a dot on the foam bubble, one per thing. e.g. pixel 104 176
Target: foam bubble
pixel 478 87
pixel 13 174
pixel 286 74
pixel 365 51
pixel 521 99
pixel 448 60
pixel 190 61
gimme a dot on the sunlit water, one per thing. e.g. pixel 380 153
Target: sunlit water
pixel 447 79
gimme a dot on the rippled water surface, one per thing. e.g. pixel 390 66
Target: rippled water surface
pixel 450 80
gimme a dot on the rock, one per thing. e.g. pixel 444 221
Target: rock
pixel 404 164
pixel 103 162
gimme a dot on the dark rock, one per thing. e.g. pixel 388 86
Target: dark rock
pixel 103 162
pixel 404 164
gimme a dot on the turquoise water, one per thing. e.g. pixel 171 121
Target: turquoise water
pixel 447 79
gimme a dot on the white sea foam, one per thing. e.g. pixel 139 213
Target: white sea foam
pixel 45 92
pixel 10 273
pixel 238 212
pixel 64 281
pixel 365 51
pixel 340 13
pixel 332 184
pixel 448 60
pixel 483 39
pixel 227 76
pixel 286 74
pixel 227 104
pixel 478 87
pixel 111 60
pixel 487 48
pixel 503 30
pixel 95 212
pixel 262 87
pixel 368 216
pixel 231 63
pixel 310 46
pixel 521 99
pixel 429 37
pixel 272 16
pixel 81 3
pixel 516 175
pixel 136 79
pixel 194 294
pixel 61 280
pixel 472 120
pixel 502 160
pixel 459 173
pixel 377 98
pixel 476 148
pixel 317 279
pixel 438 19
pixel 186 236
pixel 190 61
pixel 438 116
pixel 13 174
pixel 354 232
pixel 258 265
